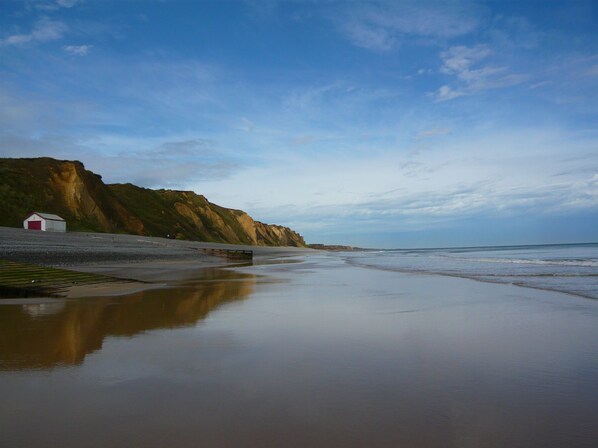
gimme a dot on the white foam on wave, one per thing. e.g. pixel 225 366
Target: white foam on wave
pixel 580 263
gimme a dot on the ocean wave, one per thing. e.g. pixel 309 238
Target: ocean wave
pixel 569 262
pixel 526 280
pixel 581 262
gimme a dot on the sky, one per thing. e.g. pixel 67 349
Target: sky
pixel 368 123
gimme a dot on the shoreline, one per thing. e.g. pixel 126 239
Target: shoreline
pixel 466 277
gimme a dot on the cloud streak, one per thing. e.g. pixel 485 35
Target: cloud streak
pixel 55 5
pixel 382 25
pixel 464 63
pixel 77 50
pixel 44 30
pixel 427 209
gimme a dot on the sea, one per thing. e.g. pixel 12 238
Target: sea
pixel 568 268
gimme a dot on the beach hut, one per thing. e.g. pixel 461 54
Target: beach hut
pixel 46 222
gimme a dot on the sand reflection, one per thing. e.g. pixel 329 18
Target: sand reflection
pixel 47 335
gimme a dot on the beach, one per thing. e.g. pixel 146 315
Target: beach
pixel 148 262
pixel 299 349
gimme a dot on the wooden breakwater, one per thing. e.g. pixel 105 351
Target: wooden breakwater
pixel 231 254
pixel 27 280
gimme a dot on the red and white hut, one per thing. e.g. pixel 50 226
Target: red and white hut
pixel 46 222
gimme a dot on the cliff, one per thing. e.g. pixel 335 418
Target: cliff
pixel 81 197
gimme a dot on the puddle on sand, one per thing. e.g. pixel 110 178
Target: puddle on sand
pixel 49 333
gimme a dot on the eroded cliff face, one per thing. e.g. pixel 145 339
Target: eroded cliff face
pixel 62 187
pixel 273 235
pixel 185 214
pixel 87 199
pixel 268 234
pixel 81 197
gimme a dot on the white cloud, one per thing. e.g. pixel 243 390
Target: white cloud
pixel 335 103
pixel 368 36
pixel 77 50
pixel 302 140
pixel 592 71
pixel 504 171
pixel 67 3
pixel 459 59
pixel 541 84
pixel 44 30
pixel 247 125
pixel 306 97
pixel 381 25
pixel 434 132
pixel 446 93
pixel 157 172
pixel 185 148
pixel 514 33
pixel 53 6
pixel 463 63
pixel 401 210
pixel 159 163
pixel 153 163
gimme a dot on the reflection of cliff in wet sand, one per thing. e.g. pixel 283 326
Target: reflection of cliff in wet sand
pixel 49 334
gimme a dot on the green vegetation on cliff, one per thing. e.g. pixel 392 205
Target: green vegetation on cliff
pixel 78 195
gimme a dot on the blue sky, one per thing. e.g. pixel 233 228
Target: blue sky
pixel 379 123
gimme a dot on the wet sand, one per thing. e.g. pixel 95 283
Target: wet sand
pixel 310 354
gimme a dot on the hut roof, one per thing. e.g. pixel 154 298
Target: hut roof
pixel 44 215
